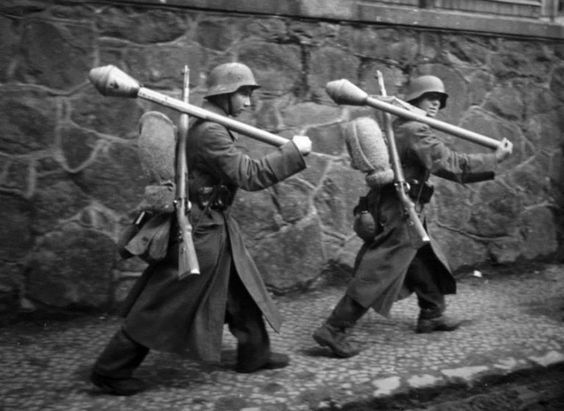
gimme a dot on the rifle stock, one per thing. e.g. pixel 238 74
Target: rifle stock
pixel 187 258
pixel 417 232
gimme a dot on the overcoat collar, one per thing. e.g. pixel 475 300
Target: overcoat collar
pixel 208 105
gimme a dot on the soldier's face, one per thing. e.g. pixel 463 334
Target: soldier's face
pixel 240 100
pixel 430 103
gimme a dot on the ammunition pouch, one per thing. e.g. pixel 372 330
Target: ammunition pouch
pixel 420 192
pixel 127 234
pixel 158 198
pixel 147 237
pixel 217 197
pixel 364 224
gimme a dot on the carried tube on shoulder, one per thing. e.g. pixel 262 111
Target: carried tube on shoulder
pixel 111 81
pixel 344 92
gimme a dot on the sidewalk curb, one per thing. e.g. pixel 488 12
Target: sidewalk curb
pixel 389 388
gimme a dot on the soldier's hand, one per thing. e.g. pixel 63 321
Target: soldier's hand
pixel 303 143
pixel 504 150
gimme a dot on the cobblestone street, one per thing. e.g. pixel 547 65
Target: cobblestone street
pixel 514 324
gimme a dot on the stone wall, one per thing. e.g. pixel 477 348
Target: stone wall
pixel 69 173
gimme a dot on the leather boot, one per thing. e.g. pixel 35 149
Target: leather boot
pixel 335 339
pixel 430 321
pixel 275 361
pixel 332 334
pixel 113 369
pixel 120 386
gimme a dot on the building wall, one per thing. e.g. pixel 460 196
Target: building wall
pixel 70 176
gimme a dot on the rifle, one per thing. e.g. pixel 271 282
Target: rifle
pixel 417 232
pixel 187 258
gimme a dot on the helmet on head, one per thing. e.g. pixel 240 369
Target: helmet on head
pixel 426 84
pixel 228 78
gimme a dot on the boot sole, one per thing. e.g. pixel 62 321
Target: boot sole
pixel 109 389
pixel 267 366
pixel 425 331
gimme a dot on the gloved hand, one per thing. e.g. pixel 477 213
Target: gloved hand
pixel 303 143
pixel 504 150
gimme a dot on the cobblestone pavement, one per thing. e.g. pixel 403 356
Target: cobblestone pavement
pixel 513 323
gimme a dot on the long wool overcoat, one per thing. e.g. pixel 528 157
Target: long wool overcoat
pixel 187 316
pixel 382 263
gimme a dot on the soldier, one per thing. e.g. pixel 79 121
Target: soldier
pixel 187 316
pixel 387 267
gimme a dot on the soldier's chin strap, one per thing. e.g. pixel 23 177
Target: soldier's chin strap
pixel 230 104
pixel 224 102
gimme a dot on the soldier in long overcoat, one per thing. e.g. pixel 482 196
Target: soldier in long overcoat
pixel 388 266
pixel 187 316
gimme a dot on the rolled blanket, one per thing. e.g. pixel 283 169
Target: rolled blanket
pixel 368 151
pixel 157 146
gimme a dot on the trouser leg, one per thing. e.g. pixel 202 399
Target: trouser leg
pixel 246 323
pixel 346 313
pixel 421 280
pixel 332 333
pixel 121 357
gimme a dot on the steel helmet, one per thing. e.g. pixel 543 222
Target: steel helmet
pixel 426 84
pixel 228 78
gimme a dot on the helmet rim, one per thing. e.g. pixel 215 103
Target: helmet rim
pixel 227 78
pixel 422 85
